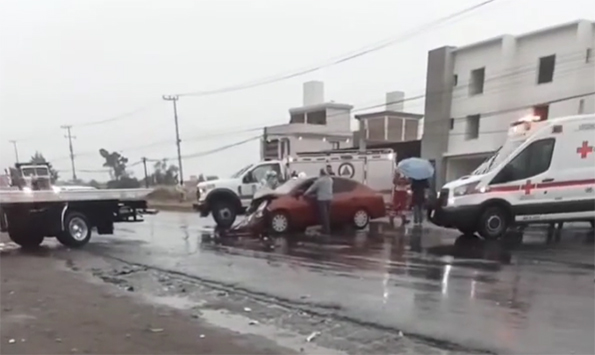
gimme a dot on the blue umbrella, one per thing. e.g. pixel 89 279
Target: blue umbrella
pixel 416 168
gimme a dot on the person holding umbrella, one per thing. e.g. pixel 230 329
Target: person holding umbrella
pixel 419 171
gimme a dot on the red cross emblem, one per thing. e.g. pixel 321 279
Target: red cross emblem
pixel 584 149
pixel 528 187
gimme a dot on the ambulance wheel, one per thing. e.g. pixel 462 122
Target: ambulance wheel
pixel 77 230
pixel 361 219
pixel 493 223
pixel 279 222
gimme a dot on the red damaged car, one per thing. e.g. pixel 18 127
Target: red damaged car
pixel 286 209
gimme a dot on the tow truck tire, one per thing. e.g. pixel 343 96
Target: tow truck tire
pixel 279 223
pixel 493 223
pixel 25 239
pixel 77 230
pixel 361 219
pixel 224 213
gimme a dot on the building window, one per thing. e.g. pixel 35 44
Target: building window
pixel 542 111
pixel 317 117
pixel 546 69
pixel 472 131
pixel 455 80
pixel 477 81
pixel 297 118
pixel 581 106
pixel 588 55
pixel 452 123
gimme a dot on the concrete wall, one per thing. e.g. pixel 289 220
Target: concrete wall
pixel 439 84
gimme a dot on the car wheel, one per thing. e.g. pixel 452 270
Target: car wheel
pixel 493 223
pixel 77 230
pixel 278 223
pixel 224 214
pixel 361 218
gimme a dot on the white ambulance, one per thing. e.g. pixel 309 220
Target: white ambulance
pixel 544 173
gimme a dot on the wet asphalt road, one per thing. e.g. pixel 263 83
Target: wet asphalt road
pixel 534 298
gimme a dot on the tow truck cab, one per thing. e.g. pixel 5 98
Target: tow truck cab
pixel 544 173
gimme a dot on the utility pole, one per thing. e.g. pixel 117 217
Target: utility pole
pixel 174 99
pixel 146 175
pixel 70 138
pixel 16 150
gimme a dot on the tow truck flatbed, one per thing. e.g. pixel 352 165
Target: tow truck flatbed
pixel 20 196
pixel 29 216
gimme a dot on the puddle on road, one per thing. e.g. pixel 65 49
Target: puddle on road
pixel 243 325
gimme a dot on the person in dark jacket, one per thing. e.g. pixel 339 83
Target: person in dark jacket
pixel 418 199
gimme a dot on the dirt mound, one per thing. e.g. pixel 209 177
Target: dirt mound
pixel 167 193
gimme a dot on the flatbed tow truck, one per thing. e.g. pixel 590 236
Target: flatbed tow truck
pixel 32 209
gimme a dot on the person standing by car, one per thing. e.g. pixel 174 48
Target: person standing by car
pixel 418 199
pixel 329 170
pixel 323 188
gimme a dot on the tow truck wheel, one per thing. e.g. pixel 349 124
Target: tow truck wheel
pixel 77 230
pixel 279 222
pixel 26 239
pixel 361 219
pixel 493 223
pixel 224 213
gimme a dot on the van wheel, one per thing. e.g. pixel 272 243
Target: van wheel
pixel 279 222
pixel 224 213
pixel 77 230
pixel 493 223
pixel 361 219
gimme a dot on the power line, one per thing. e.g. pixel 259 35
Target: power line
pixel 458 93
pixel 344 58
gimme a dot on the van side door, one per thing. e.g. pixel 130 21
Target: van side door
pixel 520 182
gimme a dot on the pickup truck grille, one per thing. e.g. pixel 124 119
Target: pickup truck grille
pixel 443 200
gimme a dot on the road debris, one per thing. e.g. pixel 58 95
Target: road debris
pixel 156 330
pixel 253 322
pixel 11 341
pixel 312 336
pixel 247 309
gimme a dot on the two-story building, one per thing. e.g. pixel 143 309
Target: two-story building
pixel 315 126
pixel 474 92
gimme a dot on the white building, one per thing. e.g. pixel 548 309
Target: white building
pixel 316 126
pixel 474 92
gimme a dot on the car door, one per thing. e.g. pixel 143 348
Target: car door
pixel 343 204
pixel 525 179
pixel 303 211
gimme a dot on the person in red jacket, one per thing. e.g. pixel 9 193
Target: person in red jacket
pixel 401 196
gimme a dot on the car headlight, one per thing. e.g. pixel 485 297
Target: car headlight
pixel 260 210
pixel 466 189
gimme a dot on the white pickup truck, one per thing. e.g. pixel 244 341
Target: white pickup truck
pixel 227 198
pixel 34 209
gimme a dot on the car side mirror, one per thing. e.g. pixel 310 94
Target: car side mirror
pixel 247 178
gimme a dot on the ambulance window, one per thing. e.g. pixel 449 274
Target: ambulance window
pixel 343 185
pixel 535 159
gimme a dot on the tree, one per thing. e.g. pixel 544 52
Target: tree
pixel 164 174
pixel 38 158
pixel 116 162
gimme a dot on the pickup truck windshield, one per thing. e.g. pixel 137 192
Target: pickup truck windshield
pixel 241 172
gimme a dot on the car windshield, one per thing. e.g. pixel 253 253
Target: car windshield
pixel 289 186
pixel 241 172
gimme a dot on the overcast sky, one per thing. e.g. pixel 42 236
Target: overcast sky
pixel 80 61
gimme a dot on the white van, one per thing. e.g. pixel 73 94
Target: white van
pixel 547 176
